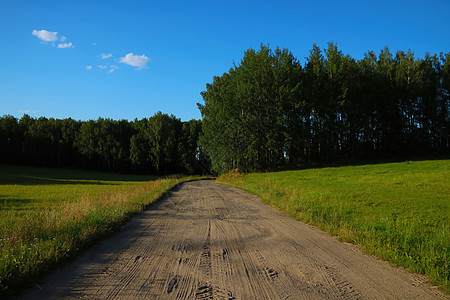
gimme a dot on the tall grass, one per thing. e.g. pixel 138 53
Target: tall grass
pixel 398 211
pixel 48 215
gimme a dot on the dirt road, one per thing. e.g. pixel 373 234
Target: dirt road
pixel 207 241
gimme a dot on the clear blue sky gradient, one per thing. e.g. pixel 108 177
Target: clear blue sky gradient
pixel 188 42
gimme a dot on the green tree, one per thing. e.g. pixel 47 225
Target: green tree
pixel 247 112
pixel 11 137
pixel 155 145
pixel 442 127
pixel 191 155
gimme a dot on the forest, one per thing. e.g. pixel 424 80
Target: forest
pixel 268 112
pixel 271 112
pixel 159 145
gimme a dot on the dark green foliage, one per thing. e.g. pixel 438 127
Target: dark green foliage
pixel 105 144
pixel 249 113
pixel 155 145
pixel 161 144
pixel 11 136
pixel 192 157
pixel 47 142
pixel 269 112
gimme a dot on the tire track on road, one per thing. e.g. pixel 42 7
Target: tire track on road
pixel 208 241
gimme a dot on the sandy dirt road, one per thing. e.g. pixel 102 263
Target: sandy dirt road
pixel 208 241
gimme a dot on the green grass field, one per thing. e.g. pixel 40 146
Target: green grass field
pixel 397 211
pixel 47 215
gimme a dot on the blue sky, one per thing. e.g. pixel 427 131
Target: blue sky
pixel 158 55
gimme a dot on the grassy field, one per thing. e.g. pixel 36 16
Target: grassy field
pixel 397 211
pixel 47 215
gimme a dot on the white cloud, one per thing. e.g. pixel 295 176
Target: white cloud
pixel 65 45
pixel 113 68
pixel 25 111
pixel 105 56
pixel 139 61
pixel 49 36
pixel 46 36
pixel 88 68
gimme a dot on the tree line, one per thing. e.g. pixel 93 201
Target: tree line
pixel 161 144
pixel 267 113
pixel 270 111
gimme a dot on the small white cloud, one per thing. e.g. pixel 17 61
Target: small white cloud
pixel 139 61
pixel 88 68
pixel 63 38
pixel 46 36
pixel 105 56
pixel 102 66
pixel 25 111
pixel 65 45
pixel 113 68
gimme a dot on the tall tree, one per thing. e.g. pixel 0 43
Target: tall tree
pixel 155 146
pixel 11 137
pixel 248 111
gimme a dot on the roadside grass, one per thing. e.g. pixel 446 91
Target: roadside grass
pixel 48 215
pixel 397 211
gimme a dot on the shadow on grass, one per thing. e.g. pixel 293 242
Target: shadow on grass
pixel 21 175
pixel 358 162
pixel 28 180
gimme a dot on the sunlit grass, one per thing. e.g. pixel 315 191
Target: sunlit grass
pixel 397 211
pixel 47 215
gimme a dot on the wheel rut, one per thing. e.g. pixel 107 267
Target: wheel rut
pixel 208 241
